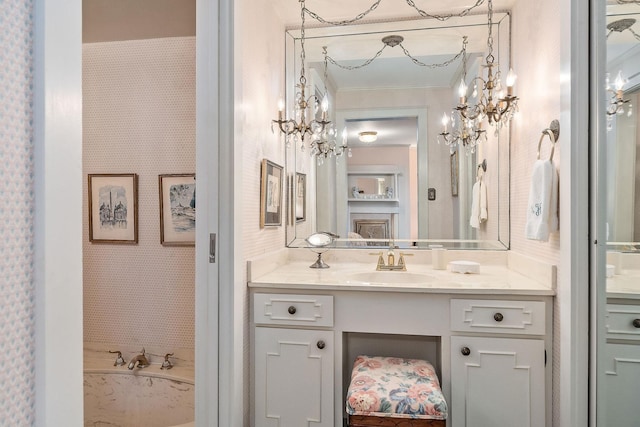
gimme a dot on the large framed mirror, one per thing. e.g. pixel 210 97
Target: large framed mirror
pixel 417 190
pixel 616 307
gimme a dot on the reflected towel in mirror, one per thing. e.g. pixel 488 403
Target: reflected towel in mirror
pixel 479 212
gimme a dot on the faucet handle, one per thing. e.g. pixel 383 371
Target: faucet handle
pixel 167 363
pixel 119 359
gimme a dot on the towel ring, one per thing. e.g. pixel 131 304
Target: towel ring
pixel 482 166
pixel 553 131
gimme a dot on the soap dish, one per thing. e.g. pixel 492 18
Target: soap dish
pixel 464 267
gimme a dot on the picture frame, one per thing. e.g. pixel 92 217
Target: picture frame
pixel 177 209
pixel 301 197
pixel 454 173
pixel 270 194
pixel 113 208
pixel 372 229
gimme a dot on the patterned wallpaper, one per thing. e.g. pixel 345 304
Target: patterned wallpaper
pixel 139 117
pixel 17 290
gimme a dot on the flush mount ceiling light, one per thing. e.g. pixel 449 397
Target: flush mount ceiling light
pixel 368 136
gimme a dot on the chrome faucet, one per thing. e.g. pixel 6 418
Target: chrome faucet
pixel 140 359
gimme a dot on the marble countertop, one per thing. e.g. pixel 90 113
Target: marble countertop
pixel 624 285
pixel 493 279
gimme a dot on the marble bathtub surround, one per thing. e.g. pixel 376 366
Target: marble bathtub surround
pixel 98 359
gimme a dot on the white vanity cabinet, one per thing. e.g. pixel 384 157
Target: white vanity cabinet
pixel 622 365
pixel 293 365
pixel 306 338
pixel 498 380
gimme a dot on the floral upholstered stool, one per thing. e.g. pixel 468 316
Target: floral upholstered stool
pixel 390 391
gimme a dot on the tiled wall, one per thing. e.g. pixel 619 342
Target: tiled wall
pixel 17 291
pixel 139 117
pixel 538 87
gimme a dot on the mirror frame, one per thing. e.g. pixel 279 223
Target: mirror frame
pixel 296 232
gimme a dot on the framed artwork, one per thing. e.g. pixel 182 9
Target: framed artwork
pixel 113 208
pixel 177 209
pixel 372 229
pixel 301 197
pixel 270 194
pixel 454 173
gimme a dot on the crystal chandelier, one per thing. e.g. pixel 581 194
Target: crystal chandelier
pixel 498 108
pixel 617 102
pixel 465 133
pixel 324 142
pixel 296 130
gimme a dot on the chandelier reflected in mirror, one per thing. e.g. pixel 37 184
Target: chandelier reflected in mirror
pixel 465 133
pixel 617 103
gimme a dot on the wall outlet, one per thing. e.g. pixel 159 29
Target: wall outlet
pixel 431 194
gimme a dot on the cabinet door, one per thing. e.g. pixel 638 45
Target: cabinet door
pixel 293 377
pixel 620 391
pixel 497 382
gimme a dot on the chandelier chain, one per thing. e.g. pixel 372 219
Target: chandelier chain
pixel 375 5
pixel 490 57
pixel 444 17
pixel 407 53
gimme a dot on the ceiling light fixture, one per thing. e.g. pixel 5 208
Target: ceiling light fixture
pixel 617 102
pixel 499 109
pixel 465 133
pixel 368 136
pixel 297 129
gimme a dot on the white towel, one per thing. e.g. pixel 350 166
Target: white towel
pixel 478 204
pixel 542 209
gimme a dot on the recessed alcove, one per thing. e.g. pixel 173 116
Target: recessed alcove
pixel 388 345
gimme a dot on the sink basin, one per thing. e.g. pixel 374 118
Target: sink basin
pixel 388 277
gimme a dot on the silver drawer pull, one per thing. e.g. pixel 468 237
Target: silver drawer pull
pixel 498 317
pixel 292 309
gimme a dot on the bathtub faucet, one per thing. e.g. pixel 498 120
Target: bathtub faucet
pixel 140 359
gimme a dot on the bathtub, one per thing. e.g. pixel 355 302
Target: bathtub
pixel 116 396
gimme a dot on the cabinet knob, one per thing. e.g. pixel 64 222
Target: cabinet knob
pixel 292 309
pixel 465 351
pixel 636 323
pixel 320 344
pixel 498 317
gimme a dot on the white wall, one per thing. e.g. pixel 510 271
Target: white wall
pixel 259 82
pixel 139 117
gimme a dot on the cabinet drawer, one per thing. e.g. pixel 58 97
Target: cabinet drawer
pixel 498 316
pixel 287 309
pixel 623 322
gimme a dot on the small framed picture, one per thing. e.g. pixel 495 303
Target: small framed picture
pixel 270 194
pixel 113 208
pixel 301 197
pixel 177 209
pixel 372 229
pixel 454 173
